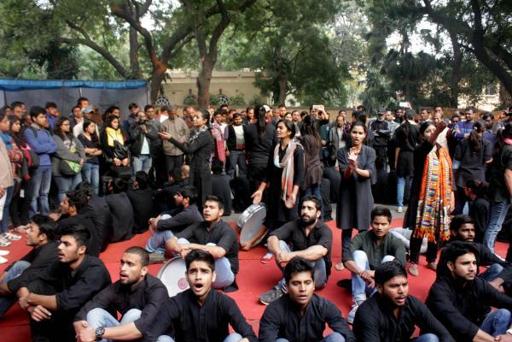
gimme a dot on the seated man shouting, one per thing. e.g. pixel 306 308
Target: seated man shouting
pixel 391 314
pixel 367 251
pixel 301 315
pixel 200 313
pixel 309 238
pixel 215 237
pixel 137 296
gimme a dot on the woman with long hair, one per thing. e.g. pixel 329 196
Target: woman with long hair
pixel 199 147
pixel 283 178
pixel 356 163
pixel 114 144
pixel 432 197
pixel 70 152
pixel 91 143
pixel 311 143
pixel 471 157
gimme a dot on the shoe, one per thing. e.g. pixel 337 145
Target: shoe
pixel 352 313
pixel 432 266
pixel 271 295
pixel 156 258
pixel 3 252
pixel 4 242
pixel 400 209
pixel 413 270
pixel 267 258
pixel 3 260
pixel 12 236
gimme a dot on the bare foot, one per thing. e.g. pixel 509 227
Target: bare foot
pixel 339 266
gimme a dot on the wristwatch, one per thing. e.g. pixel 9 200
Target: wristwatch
pixel 99 333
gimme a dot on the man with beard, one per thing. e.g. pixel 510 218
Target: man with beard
pixel 310 239
pixel 300 315
pixel 200 313
pixel 392 314
pixel 58 293
pixel 137 295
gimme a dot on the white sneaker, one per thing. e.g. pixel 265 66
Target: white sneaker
pixel 2 260
pixel 3 252
pixel 400 209
pixel 352 314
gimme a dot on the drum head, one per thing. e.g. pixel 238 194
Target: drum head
pixel 252 225
pixel 172 274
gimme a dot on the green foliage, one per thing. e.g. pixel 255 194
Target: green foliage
pixel 237 100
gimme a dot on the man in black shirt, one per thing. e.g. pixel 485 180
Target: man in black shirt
pixel 214 236
pixel 41 237
pixel 164 225
pixel 137 295
pixel 58 292
pixel 300 315
pixel 309 238
pixel 201 313
pixel 391 314
pixel 462 301
pixel 462 228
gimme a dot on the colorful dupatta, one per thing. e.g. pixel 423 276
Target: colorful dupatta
pixel 432 217
pixel 288 166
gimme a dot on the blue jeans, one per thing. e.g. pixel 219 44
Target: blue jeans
pixel 39 187
pixel 156 243
pixel 237 158
pixel 14 272
pixel 91 174
pixel 497 322
pixel 492 272
pixel 319 269
pixel 225 275
pixel 4 222
pixel 334 337
pixel 400 189
pixel 359 287
pixel 64 184
pixel 233 337
pixel 142 163
pixel 427 338
pixel 496 218
pixel 102 318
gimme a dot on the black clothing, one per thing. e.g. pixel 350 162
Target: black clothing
pixel 39 258
pixel 84 219
pixel 195 323
pixel 137 136
pixel 122 216
pixel 463 306
pixel 407 136
pixel 99 211
pixel 222 189
pixel 376 322
pixel 258 149
pixel 231 139
pixel 282 319
pixel 479 210
pixel 199 151
pixel 220 234
pixel 93 143
pixel 472 163
pixel 147 296
pixel 142 203
pixel 293 233
pixel 72 290
pixel 186 217
pixel 501 162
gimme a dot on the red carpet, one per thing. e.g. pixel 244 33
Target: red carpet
pixel 253 279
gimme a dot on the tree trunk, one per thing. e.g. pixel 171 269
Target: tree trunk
pixel 203 83
pixel 134 54
pixel 456 71
pixel 157 78
pixel 283 83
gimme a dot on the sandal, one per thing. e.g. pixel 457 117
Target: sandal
pixel 3 252
pixel 267 258
pixel 3 260
pixel 4 242
pixel 12 236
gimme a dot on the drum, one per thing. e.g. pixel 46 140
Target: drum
pixel 250 223
pixel 172 274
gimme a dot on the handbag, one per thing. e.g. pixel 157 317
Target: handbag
pixel 120 151
pixel 69 167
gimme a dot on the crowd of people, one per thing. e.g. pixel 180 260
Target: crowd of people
pixel 75 183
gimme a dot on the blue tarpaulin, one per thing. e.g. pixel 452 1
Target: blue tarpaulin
pixel 13 85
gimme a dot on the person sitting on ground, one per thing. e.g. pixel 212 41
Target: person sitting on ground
pixel 58 293
pixel 221 186
pixel 392 314
pixel 367 251
pixel 164 225
pixel 311 239
pixel 41 237
pixel 121 211
pixel 479 206
pixel 301 315
pixel 201 313
pixel 137 296
pixel 462 228
pixel 214 236
pixel 141 198
pixel 462 301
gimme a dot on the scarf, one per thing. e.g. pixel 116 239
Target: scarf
pixel 432 217
pixel 7 139
pixel 288 166
pixel 196 134
pixel 114 135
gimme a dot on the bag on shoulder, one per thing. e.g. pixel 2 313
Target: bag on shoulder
pixel 69 168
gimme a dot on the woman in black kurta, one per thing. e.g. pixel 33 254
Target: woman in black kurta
pixel 200 148
pixel 357 167
pixel 282 188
